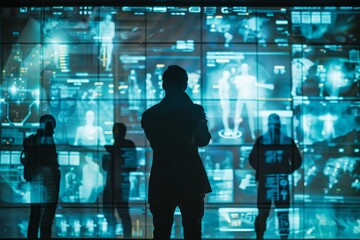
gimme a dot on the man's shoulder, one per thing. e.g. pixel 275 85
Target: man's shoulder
pixel 153 110
pixel 198 107
pixel 128 143
pixel 151 113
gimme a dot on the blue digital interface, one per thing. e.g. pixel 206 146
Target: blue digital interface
pixel 92 66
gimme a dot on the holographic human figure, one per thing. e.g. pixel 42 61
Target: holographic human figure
pixel 106 35
pixel 133 90
pixel 150 90
pixel 92 179
pixel 77 228
pixel 224 96
pixel 328 130
pixel 246 86
pixel 90 227
pixel 71 186
pixel 89 134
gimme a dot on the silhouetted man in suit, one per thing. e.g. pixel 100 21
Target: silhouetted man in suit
pixel 274 156
pixel 118 164
pixel 45 178
pixel 175 128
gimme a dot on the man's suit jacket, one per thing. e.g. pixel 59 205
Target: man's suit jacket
pixel 175 128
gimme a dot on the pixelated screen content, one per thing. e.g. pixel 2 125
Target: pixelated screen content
pixel 84 176
pixel 91 67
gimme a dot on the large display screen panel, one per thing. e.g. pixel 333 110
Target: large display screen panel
pixel 326 24
pixel 240 24
pixel 325 70
pixel 82 124
pixel 331 222
pixel 93 66
pixel 83 177
pixel 133 88
pixel 22 96
pixel 128 24
pixel 331 176
pixel 25 25
pixel 241 121
pixel 162 24
pixel 81 94
pixel 70 24
pixel 93 24
pixel 323 121
pixel 247 72
pixel 131 80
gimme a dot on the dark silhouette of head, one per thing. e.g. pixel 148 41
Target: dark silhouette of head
pixel 174 77
pixel 274 121
pixel 119 131
pixel 47 124
pixel 274 125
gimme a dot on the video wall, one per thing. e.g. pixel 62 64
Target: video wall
pixel 91 67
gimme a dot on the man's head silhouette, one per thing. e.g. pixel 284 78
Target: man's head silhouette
pixel 274 121
pixel 119 131
pixel 174 77
pixel 274 125
pixel 47 124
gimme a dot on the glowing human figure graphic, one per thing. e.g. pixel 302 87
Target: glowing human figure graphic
pixel 335 80
pixel 92 179
pixel 89 134
pixel 71 190
pixel 150 90
pixel 224 95
pixel 133 90
pixel 103 227
pixel 106 35
pixel 90 227
pixel 246 85
pixel 307 120
pixel 63 228
pixel 328 130
pixel 77 228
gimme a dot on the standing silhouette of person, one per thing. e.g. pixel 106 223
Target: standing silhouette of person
pixel 118 164
pixel 175 128
pixel 45 178
pixel 274 156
